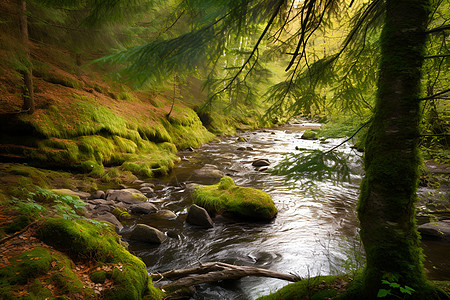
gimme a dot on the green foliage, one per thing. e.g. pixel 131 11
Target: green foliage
pixel 394 289
pixel 312 165
pixel 235 201
pixel 40 201
pixel 28 208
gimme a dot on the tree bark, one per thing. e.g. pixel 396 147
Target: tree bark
pixel 386 207
pixel 215 271
pixel 28 93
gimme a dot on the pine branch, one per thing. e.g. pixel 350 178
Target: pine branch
pixel 352 136
pixel 255 48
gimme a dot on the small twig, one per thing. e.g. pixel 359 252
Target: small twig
pixel 356 132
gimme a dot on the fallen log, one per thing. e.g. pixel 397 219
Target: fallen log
pixel 215 271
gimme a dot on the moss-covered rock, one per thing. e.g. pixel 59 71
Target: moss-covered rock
pixel 121 213
pixel 234 201
pixel 309 135
pixel 81 239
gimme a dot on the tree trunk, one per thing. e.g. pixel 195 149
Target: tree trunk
pixel 28 94
pixel 386 207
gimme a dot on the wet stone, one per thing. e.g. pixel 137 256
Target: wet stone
pixel 261 163
pixel 199 216
pixel 143 208
pixel 146 189
pixel 98 195
pixel 147 234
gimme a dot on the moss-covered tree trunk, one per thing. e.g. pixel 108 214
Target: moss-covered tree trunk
pixel 386 208
pixel 28 94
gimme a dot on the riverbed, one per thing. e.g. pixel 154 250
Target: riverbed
pixel 314 233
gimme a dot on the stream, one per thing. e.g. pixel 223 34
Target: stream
pixel 314 233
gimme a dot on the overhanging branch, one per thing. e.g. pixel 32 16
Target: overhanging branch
pixel 435 95
pixel 438 29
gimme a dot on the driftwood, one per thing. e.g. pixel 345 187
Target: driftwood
pixel 215 271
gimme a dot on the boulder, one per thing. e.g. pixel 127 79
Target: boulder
pixel 143 208
pixel 138 181
pixel 435 231
pixel 147 184
pixel 241 148
pixel 209 171
pixel 309 135
pixel 109 217
pixel 261 163
pixel 129 196
pixel 146 189
pixel 101 201
pixel 81 195
pixel 166 214
pixel 102 209
pixel 189 187
pixel 233 201
pixel 199 216
pixel 98 195
pixel 147 234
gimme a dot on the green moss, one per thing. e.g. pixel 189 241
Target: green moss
pixel 186 128
pixel 309 135
pixel 39 291
pixel 26 266
pixel 315 288
pixel 57 78
pixel 65 280
pixel 238 202
pixel 156 163
pixel 35 176
pixel 121 213
pixel 98 276
pixel 83 239
pixel 226 183
pixel 92 167
pixel 34 266
pixel 19 223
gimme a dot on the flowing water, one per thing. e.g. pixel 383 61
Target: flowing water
pixel 314 233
